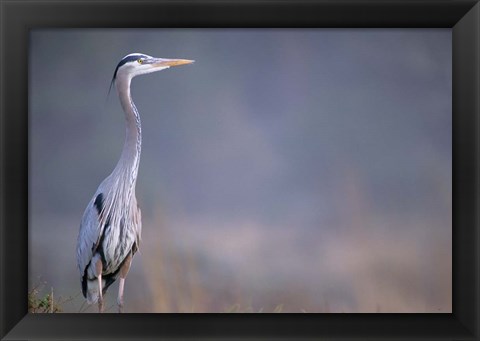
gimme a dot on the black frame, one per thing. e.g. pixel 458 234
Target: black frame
pixel 18 16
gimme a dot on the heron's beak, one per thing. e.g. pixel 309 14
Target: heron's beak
pixel 171 62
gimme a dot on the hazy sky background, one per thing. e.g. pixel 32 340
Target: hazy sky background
pixel 309 168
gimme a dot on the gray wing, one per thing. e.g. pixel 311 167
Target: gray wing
pixel 90 232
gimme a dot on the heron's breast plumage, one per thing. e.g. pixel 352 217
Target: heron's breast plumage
pixel 122 225
pixel 118 240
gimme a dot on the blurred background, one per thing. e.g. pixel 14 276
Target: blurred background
pixel 292 170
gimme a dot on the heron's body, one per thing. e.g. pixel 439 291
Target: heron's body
pixel 111 226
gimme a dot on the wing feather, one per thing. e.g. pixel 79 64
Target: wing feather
pixel 90 232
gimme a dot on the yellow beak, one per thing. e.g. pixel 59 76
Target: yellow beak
pixel 172 62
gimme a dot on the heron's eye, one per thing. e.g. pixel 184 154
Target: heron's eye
pixel 140 61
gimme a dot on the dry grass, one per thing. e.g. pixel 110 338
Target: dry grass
pixel 46 303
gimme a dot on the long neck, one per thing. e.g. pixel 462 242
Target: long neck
pixel 130 157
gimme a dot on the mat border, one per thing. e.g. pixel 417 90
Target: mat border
pixel 19 16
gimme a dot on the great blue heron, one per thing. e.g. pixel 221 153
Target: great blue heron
pixel 111 225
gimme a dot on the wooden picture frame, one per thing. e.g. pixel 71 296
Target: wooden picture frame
pixel 18 17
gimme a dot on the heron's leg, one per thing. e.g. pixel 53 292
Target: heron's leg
pixel 123 274
pixel 100 295
pixel 99 278
pixel 120 294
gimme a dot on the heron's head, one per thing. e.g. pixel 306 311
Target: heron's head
pixel 136 64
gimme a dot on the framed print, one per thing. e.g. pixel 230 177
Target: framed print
pixel 312 164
